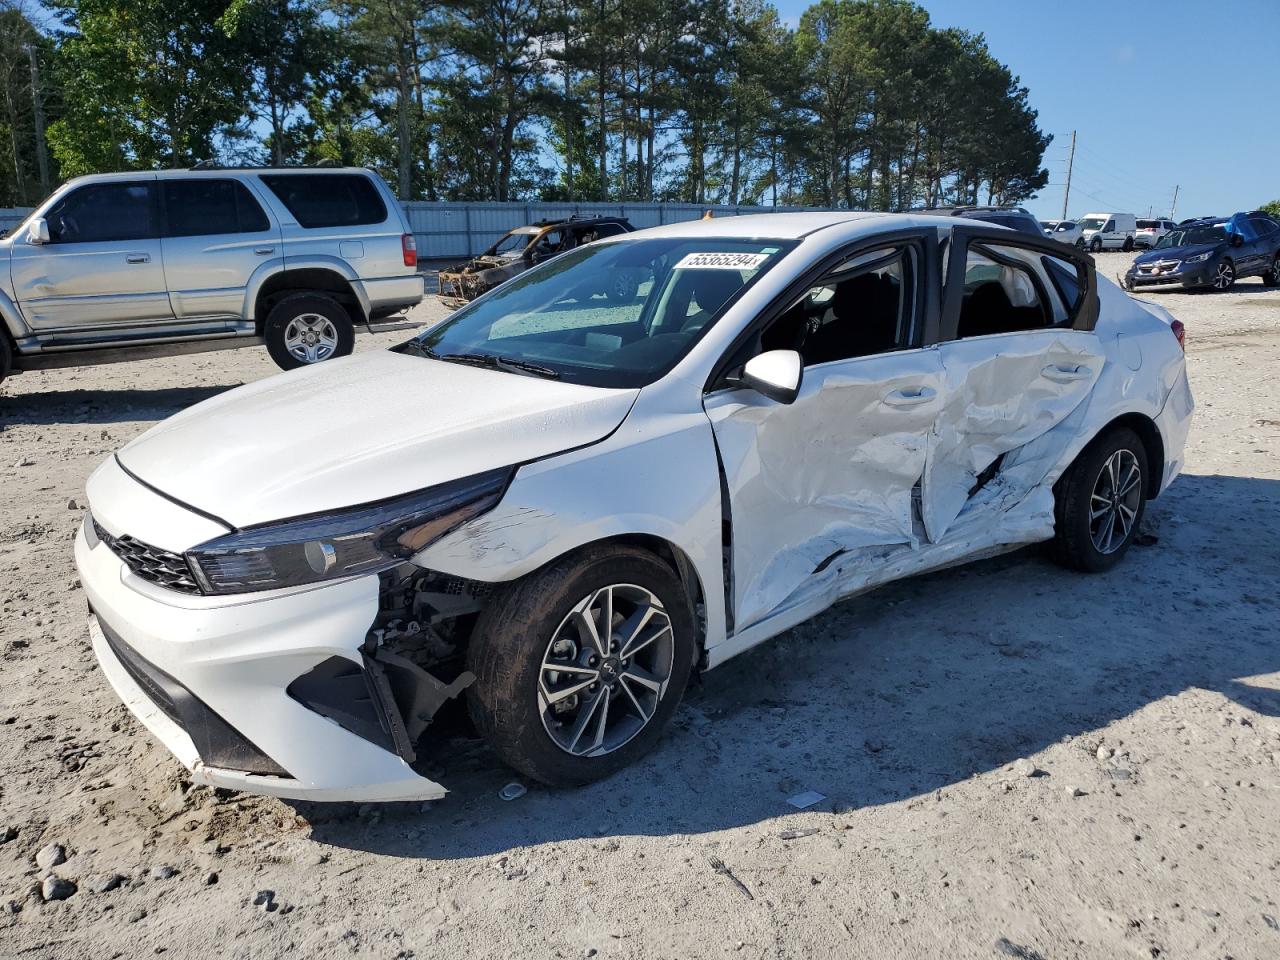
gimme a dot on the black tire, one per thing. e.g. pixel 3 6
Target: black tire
pixel 1272 277
pixel 1229 276
pixel 623 286
pixel 1073 542
pixel 1095 245
pixel 1128 245
pixel 6 356
pixel 512 636
pixel 1079 243
pixel 276 330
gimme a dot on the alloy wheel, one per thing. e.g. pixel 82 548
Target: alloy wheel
pixel 1224 276
pixel 311 337
pixel 1114 503
pixel 1275 270
pixel 605 670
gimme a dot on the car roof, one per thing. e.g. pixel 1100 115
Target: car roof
pixel 776 226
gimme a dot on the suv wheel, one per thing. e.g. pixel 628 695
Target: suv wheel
pixel 580 666
pixel 1225 276
pixel 307 328
pixel 1272 277
pixel 1099 502
pixel 623 286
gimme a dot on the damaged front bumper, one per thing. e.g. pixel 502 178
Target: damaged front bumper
pixel 288 693
pixel 463 282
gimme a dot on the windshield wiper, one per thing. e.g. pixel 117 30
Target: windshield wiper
pixel 500 363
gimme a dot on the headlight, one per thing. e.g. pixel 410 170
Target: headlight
pixel 358 540
pixel 1199 257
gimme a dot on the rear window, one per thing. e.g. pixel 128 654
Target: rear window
pixel 1148 224
pixel 203 207
pixel 328 199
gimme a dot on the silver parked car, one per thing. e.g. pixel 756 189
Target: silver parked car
pixel 128 265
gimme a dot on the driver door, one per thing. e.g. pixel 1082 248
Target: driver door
pixel 835 471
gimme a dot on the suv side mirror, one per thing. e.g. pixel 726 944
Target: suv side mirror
pixel 776 374
pixel 38 231
pixel 1237 240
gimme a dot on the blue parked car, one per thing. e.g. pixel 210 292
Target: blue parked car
pixel 1212 252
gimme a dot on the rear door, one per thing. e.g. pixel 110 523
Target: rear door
pixel 102 273
pixel 216 234
pixel 835 471
pixel 1020 356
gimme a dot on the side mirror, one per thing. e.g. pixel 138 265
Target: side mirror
pixel 38 231
pixel 776 374
pixel 1237 240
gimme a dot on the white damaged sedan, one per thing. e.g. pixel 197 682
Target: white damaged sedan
pixel 559 503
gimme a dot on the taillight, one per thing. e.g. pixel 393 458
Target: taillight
pixel 1180 332
pixel 409 244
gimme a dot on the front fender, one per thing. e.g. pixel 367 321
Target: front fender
pixel 658 477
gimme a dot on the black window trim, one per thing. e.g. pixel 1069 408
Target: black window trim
pixel 964 236
pixel 927 302
pixel 163 201
pixel 149 183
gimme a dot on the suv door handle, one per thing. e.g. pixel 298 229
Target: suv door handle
pixel 263 251
pixel 138 258
pixel 909 397
pixel 1065 374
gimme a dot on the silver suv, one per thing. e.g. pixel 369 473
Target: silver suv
pixel 130 265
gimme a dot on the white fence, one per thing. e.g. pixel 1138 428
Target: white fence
pixel 447 230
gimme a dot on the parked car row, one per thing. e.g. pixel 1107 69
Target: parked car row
pixel 1213 252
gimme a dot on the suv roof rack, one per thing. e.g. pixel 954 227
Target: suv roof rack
pixel 326 164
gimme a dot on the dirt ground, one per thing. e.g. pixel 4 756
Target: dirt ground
pixel 1146 700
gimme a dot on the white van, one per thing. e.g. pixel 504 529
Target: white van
pixel 1108 231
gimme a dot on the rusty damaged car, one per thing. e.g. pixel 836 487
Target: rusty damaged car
pixel 528 246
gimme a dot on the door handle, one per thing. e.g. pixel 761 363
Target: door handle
pixel 1065 374
pixel 263 251
pixel 138 258
pixel 909 397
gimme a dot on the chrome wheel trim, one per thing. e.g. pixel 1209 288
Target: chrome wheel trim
pixel 1223 276
pixel 605 670
pixel 1114 503
pixel 311 337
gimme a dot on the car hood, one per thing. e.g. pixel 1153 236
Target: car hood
pixel 360 429
pixel 1175 253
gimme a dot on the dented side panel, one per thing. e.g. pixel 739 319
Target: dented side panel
pixel 830 473
pixel 1001 393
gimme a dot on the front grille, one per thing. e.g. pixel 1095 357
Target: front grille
pixel 1159 267
pixel 150 563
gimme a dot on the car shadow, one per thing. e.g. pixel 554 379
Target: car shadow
pixel 101 406
pixel 904 691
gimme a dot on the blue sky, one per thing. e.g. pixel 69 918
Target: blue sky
pixel 1176 92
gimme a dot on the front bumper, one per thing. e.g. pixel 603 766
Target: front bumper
pixel 237 656
pixel 1197 275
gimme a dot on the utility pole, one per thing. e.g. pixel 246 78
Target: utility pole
pixel 1066 193
pixel 1173 209
pixel 37 108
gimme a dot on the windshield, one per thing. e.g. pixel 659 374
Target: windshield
pixel 511 243
pixel 1092 223
pixel 1188 236
pixel 608 314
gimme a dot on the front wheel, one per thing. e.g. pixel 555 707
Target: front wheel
pixel 308 328
pixel 580 666
pixel 1096 245
pixel 6 356
pixel 1272 277
pixel 1099 502
pixel 1224 277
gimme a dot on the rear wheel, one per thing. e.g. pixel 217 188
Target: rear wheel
pixel 580 666
pixel 1128 245
pixel 6 356
pixel 1099 502
pixel 308 328
pixel 1224 277
pixel 1272 277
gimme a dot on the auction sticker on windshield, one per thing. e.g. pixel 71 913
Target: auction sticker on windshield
pixel 722 261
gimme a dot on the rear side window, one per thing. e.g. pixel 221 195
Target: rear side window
pixel 205 207
pixel 1263 226
pixel 328 199
pixel 1005 292
pixel 105 212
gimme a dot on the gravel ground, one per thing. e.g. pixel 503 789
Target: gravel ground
pixel 1015 760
